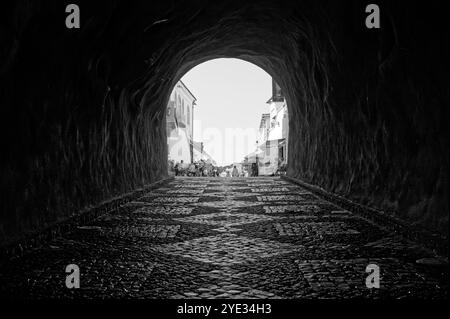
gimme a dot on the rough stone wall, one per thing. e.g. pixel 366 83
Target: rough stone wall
pixel 82 111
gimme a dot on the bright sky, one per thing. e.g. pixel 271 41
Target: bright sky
pixel 231 96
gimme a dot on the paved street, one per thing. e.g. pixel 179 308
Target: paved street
pixel 226 238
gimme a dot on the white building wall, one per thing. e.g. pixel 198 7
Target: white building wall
pixel 278 123
pixel 179 139
pixel 185 108
pixel 179 146
pixel 277 128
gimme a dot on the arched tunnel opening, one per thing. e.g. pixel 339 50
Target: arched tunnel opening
pixel 223 114
pixel 83 110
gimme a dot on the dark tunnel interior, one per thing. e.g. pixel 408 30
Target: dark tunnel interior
pixel 82 110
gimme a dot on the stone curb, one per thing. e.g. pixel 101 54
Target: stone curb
pixel 437 243
pixel 87 215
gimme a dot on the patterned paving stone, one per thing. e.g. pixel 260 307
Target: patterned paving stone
pixel 186 191
pixel 192 180
pixel 226 219
pixel 228 204
pixel 155 204
pixel 302 229
pixel 292 209
pixel 174 199
pixel 190 186
pixel 268 184
pixel 349 277
pixel 132 275
pixel 164 210
pixel 227 249
pixel 227 286
pixel 229 194
pixel 148 231
pixel 263 184
pixel 270 189
pixel 224 188
pixel 227 229
pixel 226 238
pixel 322 216
pixel 395 245
pixel 283 198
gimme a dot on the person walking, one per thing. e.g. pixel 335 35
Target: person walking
pixel 235 172
pixel 254 170
pixel 177 169
pixel 192 169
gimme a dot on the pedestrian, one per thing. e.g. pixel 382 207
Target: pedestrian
pixel 209 168
pixel 192 170
pixel 177 169
pixel 201 167
pixel 183 168
pixel 197 170
pixel 235 172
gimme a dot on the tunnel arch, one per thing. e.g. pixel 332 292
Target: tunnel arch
pixel 248 48
pixel 181 75
pixel 361 118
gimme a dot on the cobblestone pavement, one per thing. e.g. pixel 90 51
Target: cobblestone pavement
pixel 226 238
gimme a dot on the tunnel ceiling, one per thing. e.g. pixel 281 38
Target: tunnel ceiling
pixel 83 109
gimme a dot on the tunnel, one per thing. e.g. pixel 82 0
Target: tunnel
pixel 82 110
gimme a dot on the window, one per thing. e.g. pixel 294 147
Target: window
pixel 281 153
pixel 188 115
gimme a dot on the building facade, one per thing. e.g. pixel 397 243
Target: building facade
pixel 271 153
pixel 279 122
pixel 264 128
pixel 180 124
